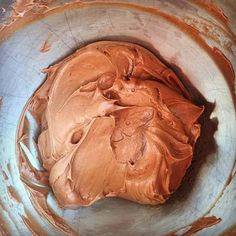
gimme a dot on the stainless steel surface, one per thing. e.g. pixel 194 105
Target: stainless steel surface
pixel 21 66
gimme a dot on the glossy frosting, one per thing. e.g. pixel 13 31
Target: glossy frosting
pixel 115 121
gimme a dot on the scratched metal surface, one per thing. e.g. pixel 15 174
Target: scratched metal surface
pixel 21 64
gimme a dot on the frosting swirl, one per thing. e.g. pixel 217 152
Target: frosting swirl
pixel 115 121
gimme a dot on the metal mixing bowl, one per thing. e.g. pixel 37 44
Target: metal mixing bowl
pixel 206 189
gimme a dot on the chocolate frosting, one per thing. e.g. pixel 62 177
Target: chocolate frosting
pixel 115 122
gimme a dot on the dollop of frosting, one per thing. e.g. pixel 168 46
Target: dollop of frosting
pixel 115 122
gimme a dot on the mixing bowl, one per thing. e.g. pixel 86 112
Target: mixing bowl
pixel 197 42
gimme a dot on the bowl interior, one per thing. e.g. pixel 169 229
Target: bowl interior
pixel 21 64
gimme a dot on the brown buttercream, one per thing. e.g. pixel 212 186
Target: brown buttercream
pixel 115 121
pixel 45 47
pixel 202 223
